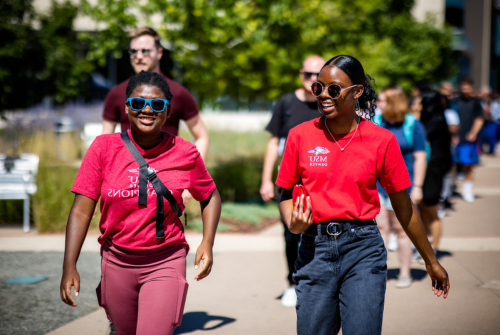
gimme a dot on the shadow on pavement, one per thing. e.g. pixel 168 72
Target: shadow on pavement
pixel 416 274
pixel 441 253
pixel 197 320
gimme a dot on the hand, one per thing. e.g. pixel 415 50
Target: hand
pixel 204 253
pixel 301 220
pixel 70 278
pixel 440 280
pixel 186 197
pixel 267 191
pixel 471 137
pixel 416 194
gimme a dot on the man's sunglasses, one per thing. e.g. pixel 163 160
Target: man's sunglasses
pixel 308 75
pixel 334 90
pixel 133 52
pixel 157 105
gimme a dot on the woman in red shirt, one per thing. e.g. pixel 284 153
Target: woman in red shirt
pixel 340 273
pixel 143 284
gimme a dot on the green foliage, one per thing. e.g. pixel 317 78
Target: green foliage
pixel 249 213
pixel 254 48
pixel 11 211
pixel 197 225
pixel 53 198
pixel 34 63
pixel 19 43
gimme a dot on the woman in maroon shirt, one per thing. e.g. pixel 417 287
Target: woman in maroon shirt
pixel 340 274
pixel 143 284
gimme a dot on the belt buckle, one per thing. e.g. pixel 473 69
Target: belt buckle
pixel 334 233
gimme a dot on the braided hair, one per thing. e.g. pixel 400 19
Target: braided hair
pixel 353 68
pixel 149 78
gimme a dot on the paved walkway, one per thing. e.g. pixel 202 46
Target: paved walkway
pixel 241 294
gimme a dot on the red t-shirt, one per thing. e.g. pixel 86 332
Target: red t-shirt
pixel 110 172
pixel 182 106
pixel 343 185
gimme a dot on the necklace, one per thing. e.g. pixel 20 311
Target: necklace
pixel 342 149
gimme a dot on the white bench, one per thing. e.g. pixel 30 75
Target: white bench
pixel 18 181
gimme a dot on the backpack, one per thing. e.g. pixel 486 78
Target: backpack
pixel 408 128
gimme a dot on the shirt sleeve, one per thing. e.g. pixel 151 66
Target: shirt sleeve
pixel 419 137
pixel 289 172
pixel 478 110
pixel 393 175
pixel 452 118
pixel 275 125
pixel 111 112
pixel 201 183
pixel 89 178
pixel 189 106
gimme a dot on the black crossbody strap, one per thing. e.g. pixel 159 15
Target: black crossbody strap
pixel 145 174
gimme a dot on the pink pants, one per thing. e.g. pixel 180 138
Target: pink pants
pixel 143 293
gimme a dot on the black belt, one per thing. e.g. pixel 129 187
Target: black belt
pixel 336 228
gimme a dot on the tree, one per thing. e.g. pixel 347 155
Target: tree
pixel 254 48
pixel 34 63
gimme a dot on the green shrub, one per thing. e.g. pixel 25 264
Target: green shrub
pixel 53 200
pixel 249 213
pixel 197 225
pixel 11 211
pixel 239 179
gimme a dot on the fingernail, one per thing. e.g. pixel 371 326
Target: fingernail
pixel 196 267
pixel 76 293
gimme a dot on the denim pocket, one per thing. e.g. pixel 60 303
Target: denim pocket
pixel 367 232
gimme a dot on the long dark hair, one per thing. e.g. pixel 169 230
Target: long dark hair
pixel 353 68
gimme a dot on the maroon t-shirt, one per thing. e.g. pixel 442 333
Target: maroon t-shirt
pixel 182 106
pixel 110 173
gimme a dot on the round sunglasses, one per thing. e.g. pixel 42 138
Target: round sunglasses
pixel 334 90
pixel 157 105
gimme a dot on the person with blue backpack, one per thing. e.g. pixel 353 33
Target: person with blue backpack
pixel 410 134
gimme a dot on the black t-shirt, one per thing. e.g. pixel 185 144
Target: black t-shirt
pixel 289 112
pixel 468 110
pixel 439 139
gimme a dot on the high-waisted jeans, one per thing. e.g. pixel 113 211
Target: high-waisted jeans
pixel 143 293
pixel 340 282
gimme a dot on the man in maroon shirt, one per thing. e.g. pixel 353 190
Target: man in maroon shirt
pixel 145 54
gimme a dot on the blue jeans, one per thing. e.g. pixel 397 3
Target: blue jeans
pixel 341 281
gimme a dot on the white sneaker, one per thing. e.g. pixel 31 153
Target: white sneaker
pixel 392 244
pixel 404 281
pixel 289 297
pixel 441 212
pixel 467 193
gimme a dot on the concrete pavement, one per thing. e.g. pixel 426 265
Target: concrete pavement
pixel 241 294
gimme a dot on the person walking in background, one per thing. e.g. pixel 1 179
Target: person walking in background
pixel 410 135
pixel 291 110
pixel 145 54
pixel 453 121
pixel 143 283
pixel 471 122
pixel 491 110
pixel 340 274
pixel 439 138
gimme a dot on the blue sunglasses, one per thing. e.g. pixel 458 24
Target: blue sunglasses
pixel 157 105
